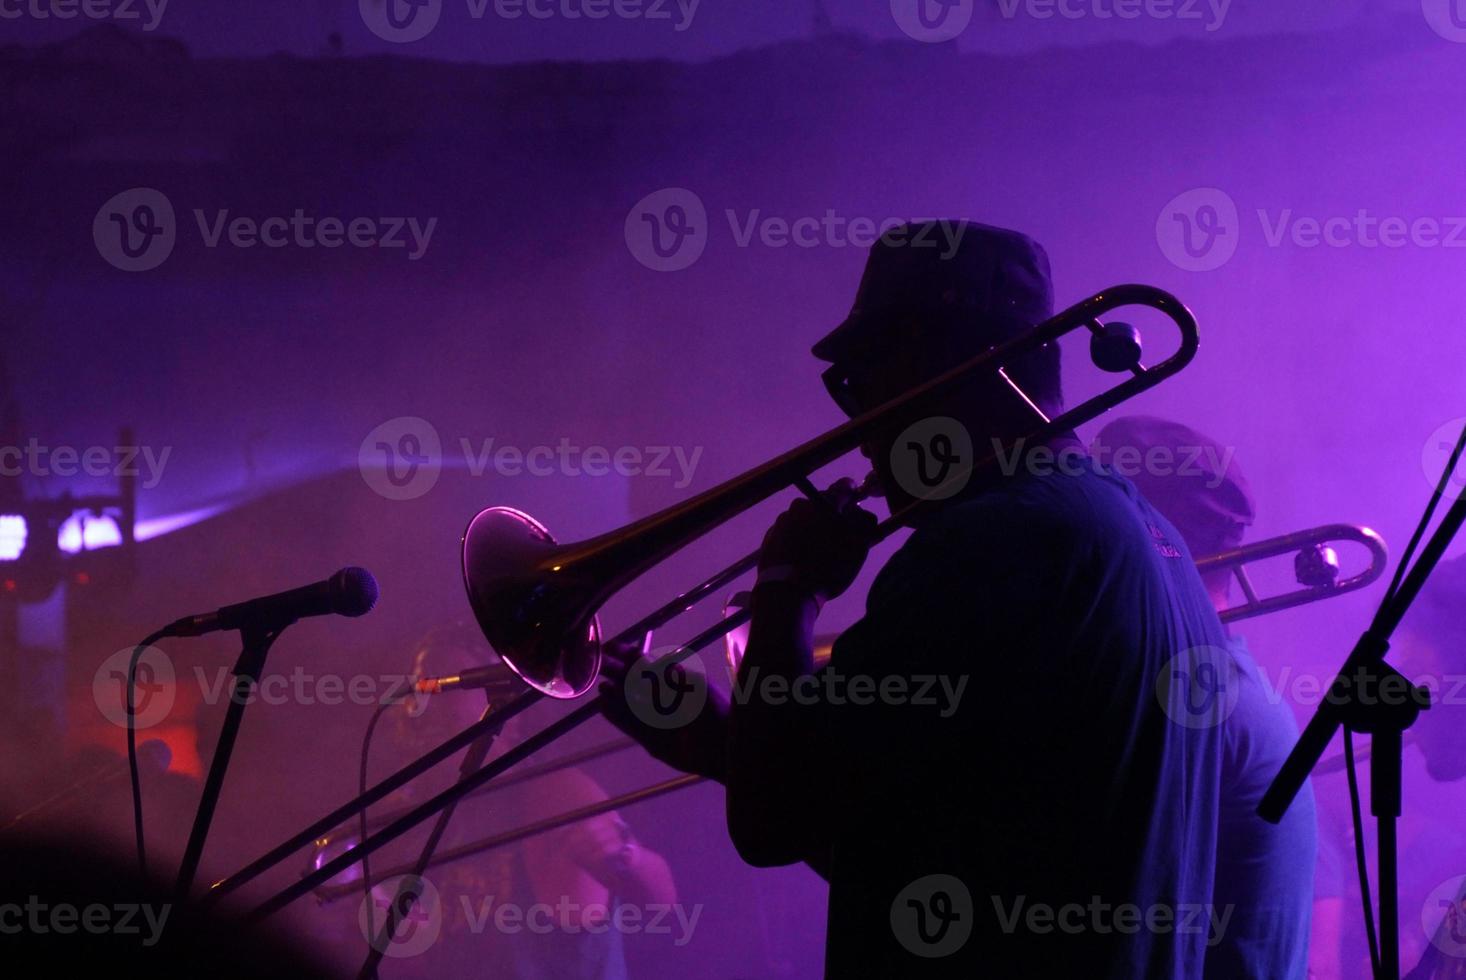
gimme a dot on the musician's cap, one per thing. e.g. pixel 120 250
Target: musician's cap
pixel 1190 477
pixel 951 273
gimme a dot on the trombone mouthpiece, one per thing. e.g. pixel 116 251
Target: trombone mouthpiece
pixel 437 685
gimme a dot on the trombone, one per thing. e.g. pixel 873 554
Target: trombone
pixel 1316 568
pixel 536 600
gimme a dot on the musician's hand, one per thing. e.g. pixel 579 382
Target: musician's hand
pixel 819 548
pixel 698 746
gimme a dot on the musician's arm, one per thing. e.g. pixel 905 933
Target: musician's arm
pixel 604 846
pixel 778 811
pixel 701 747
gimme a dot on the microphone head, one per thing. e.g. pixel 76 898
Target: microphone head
pixel 353 592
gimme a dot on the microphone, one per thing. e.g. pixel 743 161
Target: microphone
pixel 497 679
pixel 350 592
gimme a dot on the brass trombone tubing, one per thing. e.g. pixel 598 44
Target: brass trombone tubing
pixel 1268 547
pixel 510 779
pixel 1256 551
pixel 662 534
pixel 329 893
pixel 1238 558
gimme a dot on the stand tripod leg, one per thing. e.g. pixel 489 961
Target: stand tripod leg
pixel 1384 802
pixel 246 674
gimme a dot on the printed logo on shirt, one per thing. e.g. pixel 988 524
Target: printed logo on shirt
pixel 1162 543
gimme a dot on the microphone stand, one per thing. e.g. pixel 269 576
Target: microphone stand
pixel 408 891
pixel 1381 713
pixel 257 641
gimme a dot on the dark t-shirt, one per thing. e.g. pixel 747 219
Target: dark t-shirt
pixel 1059 816
pixel 1264 871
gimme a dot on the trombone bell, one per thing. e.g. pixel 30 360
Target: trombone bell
pixel 510 567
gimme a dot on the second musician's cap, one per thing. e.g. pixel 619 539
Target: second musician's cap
pixel 1189 477
pixel 948 272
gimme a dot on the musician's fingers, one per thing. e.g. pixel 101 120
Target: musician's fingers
pixel 617 658
pixel 841 494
